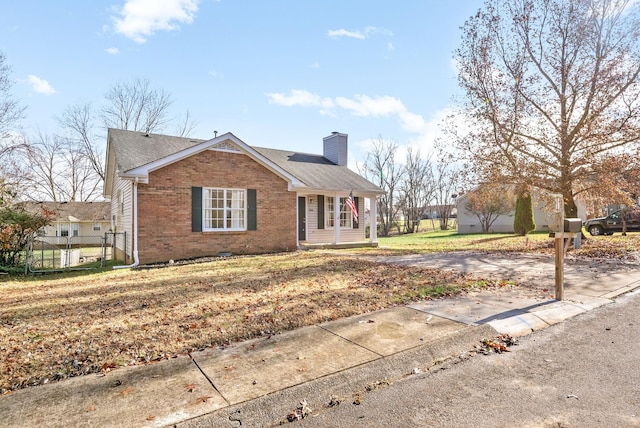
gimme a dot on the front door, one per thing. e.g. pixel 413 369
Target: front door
pixel 302 219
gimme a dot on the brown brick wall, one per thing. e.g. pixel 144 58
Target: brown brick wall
pixel 164 209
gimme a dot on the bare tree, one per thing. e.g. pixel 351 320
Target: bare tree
pixel 445 193
pixel 551 87
pixel 13 173
pixel 135 106
pixel 185 125
pixel 381 168
pixel 131 105
pixel 10 110
pixel 416 189
pixel 78 122
pixel 489 201
pixel 10 140
pixel 60 172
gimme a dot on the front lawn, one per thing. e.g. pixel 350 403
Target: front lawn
pixel 616 246
pixel 450 240
pixel 61 325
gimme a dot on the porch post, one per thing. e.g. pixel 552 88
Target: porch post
pixel 373 219
pixel 336 216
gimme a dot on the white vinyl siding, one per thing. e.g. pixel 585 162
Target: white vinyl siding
pixel 121 213
pixel 224 209
pixel 322 236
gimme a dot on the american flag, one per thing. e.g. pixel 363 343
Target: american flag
pixel 351 203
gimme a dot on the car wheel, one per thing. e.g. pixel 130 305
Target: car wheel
pixel 596 230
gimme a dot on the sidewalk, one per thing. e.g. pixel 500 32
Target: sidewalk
pixel 259 382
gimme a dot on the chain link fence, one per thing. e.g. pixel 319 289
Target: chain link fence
pixel 57 253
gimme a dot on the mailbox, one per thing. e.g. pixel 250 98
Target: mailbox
pixel 572 225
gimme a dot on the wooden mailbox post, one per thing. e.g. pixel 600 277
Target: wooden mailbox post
pixel 564 230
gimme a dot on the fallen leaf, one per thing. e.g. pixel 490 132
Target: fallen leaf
pixel 128 390
pixel 108 366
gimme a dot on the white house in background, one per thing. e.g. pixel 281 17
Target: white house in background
pixel 469 222
pixel 75 219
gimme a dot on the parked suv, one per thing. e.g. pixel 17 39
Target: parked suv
pixel 613 222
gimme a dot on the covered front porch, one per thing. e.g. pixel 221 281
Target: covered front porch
pixel 325 221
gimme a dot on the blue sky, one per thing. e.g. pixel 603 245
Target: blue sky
pixel 280 74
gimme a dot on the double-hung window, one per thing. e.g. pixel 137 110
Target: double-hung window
pixel 224 209
pixel 346 220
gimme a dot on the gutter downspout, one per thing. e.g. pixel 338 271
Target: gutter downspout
pixel 134 202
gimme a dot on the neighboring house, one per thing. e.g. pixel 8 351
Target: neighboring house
pixel 469 222
pixel 75 219
pixel 433 211
pixel 179 198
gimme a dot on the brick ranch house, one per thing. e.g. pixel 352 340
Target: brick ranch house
pixel 180 198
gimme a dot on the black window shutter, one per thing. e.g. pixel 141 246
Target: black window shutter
pixel 356 224
pixel 252 209
pixel 320 211
pixel 196 209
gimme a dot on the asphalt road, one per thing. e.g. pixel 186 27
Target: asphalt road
pixel 584 372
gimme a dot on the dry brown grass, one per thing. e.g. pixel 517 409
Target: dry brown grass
pixel 58 326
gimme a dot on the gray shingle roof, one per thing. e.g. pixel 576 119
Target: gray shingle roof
pixel 134 149
pixel 317 172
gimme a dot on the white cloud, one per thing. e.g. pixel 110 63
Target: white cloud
pixel 140 19
pixel 358 105
pixel 386 106
pixel 113 51
pixel 365 106
pixel 361 35
pixel 378 30
pixel 422 133
pixel 345 33
pixel 299 97
pixel 39 85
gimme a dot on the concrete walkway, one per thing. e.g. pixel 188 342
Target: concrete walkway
pixel 259 382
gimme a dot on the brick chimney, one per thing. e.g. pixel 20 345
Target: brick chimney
pixel 335 148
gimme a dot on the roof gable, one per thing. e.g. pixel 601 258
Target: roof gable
pixel 137 154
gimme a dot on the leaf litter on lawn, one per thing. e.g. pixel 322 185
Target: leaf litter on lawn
pixel 64 325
